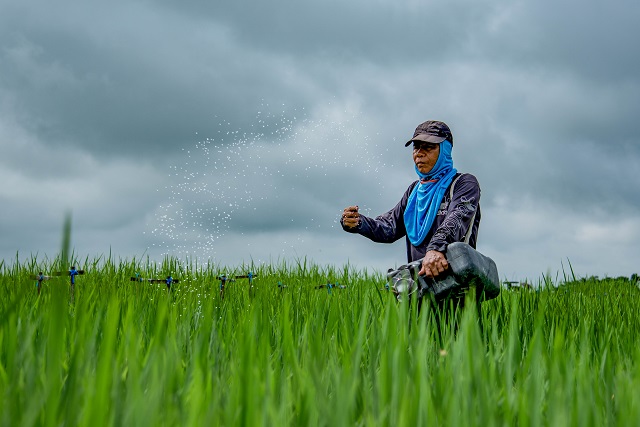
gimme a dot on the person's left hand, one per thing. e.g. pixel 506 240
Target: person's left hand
pixel 433 264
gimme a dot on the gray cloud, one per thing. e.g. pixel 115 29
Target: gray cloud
pixel 234 130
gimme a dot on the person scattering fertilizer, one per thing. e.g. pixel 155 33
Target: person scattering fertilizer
pixel 440 208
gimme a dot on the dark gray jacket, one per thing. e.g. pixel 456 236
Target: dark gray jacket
pixel 450 225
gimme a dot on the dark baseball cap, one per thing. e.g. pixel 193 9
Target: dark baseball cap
pixel 431 131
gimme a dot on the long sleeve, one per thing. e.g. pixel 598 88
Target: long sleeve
pixel 385 228
pixel 456 214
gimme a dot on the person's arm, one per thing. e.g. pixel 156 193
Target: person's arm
pixel 385 228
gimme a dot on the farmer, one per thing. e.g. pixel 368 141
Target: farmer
pixel 429 215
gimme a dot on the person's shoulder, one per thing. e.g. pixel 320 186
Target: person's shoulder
pixel 408 191
pixel 466 178
pixel 411 186
pixel 464 183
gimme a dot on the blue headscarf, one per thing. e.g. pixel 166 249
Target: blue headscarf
pixel 426 197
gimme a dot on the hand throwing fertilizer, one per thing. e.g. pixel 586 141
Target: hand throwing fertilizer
pixel 467 268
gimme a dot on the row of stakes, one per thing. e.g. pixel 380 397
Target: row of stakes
pixel 72 273
pixel 169 281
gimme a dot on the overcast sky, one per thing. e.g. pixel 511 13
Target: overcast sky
pixel 237 131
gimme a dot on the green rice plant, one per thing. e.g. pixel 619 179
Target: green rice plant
pixel 132 353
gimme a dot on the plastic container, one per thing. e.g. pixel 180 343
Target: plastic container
pixel 467 268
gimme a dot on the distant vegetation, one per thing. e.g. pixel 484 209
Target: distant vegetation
pixel 132 353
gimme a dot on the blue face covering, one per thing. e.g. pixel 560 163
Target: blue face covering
pixel 426 197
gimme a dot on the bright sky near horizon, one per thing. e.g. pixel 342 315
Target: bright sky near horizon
pixel 237 131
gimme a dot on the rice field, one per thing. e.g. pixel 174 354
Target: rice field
pixel 281 352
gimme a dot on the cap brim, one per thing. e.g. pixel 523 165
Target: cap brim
pixel 426 138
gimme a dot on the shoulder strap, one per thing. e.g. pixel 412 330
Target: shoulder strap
pixel 453 185
pixel 467 236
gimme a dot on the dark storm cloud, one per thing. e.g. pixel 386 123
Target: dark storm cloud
pixel 143 91
pixel 567 141
pixel 585 40
pixel 123 91
pixel 348 31
pixel 581 177
pixel 108 202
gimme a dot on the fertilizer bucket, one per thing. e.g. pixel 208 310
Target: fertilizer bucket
pixel 467 268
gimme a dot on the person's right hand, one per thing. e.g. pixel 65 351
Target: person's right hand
pixel 433 264
pixel 350 217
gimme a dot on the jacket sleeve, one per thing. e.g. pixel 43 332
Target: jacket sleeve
pixel 385 228
pixel 460 214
